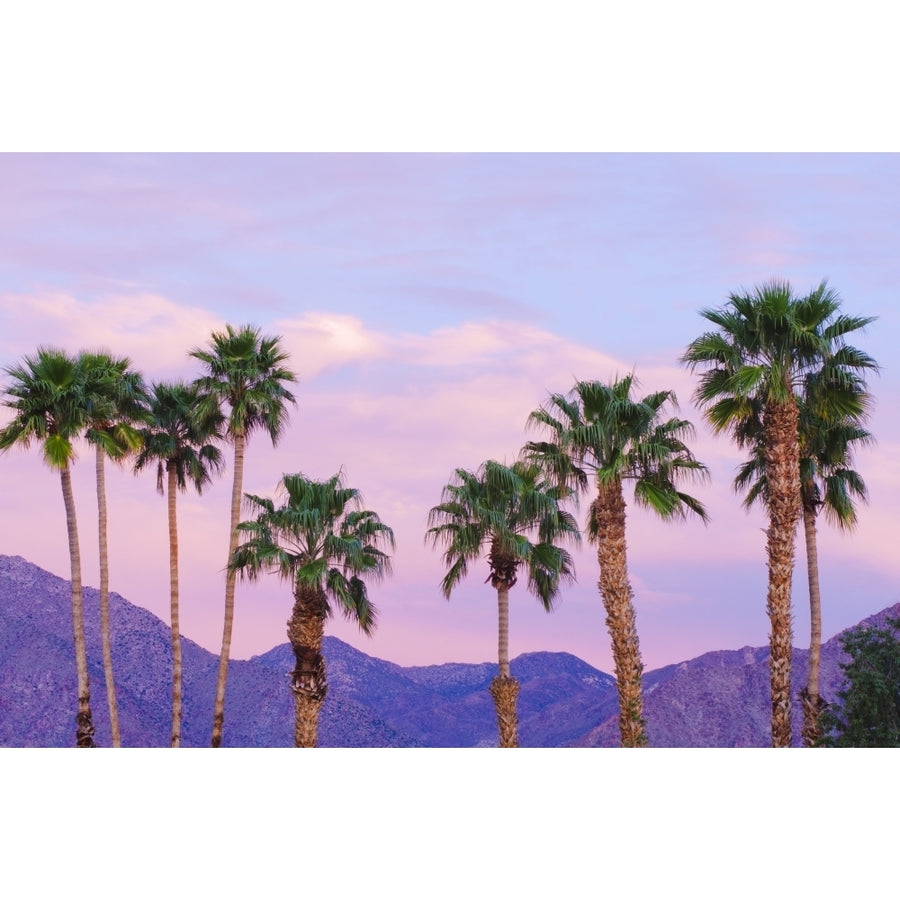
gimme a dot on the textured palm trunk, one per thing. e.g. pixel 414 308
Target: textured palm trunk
pixel 615 589
pixel 813 706
pixel 503 628
pixel 84 721
pixel 173 607
pixel 780 422
pixel 230 577
pixel 505 688
pixel 104 601
pixel 305 629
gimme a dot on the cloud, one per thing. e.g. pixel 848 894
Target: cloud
pixel 152 330
pixel 319 341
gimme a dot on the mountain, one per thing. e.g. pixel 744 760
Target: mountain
pixel 720 699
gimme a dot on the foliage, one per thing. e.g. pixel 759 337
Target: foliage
pixel 502 507
pixel 868 714
pixel 827 481
pixel 116 399
pixel 47 395
pixel 180 434
pixel 601 428
pixel 246 370
pixel 767 343
pixel 319 537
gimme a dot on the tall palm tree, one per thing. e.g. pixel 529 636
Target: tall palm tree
pixel 827 482
pixel 246 373
pixel 766 344
pixel 179 437
pixel 601 429
pixel 327 547
pixel 47 395
pixel 500 509
pixel 115 395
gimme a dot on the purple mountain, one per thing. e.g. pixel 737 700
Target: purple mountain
pixel 719 699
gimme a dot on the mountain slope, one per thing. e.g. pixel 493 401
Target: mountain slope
pixel 719 699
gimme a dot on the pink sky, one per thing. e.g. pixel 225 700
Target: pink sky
pixel 429 303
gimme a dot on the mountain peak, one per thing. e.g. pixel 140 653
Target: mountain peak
pixel 717 699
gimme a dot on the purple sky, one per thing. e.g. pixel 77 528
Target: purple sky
pixel 429 303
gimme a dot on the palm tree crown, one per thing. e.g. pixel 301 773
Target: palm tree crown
pixel 47 395
pixel 180 434
pixel 498 508
pixel 247 372
pixel 320 537
pixel 767 343
pixel 828 483
pixel 116 403
pixel 601 429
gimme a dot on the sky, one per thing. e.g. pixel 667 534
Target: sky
pixel 429 302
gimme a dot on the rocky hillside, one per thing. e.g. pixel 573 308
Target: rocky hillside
pixel 719 699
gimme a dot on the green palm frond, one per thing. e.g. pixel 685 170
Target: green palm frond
pixel 830 428
pixel 51 401
pixel 613 435
pixel 498 510
pixel 180 433
pixel 246 372
pixel 318 534
pixel 768 341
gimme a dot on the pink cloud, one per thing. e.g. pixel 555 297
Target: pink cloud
pixel 153 331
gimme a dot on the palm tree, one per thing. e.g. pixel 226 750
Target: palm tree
pixel 115 395
pixel 244 372
pixel 498 509
pixel 47 395
pixel 601 429
pixel 827 482
pixel 327 546
pixel 179 438
pixel 766 344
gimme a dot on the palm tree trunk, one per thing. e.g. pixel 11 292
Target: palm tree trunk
pixel 230 577
pixel 104 601
pixel 783 476
pixel 503 628
pixel 84 722
pixel 173 607
pixel 615 589
pixel 812 703
pixel 305 630
pixel 505 688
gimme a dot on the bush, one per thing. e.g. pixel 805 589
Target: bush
pixel 868 714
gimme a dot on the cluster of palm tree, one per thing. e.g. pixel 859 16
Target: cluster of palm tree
pixel 779 376
pixel 776 373
pixel 58 398
pixel 597 429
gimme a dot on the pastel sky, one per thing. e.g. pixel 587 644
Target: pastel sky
pixel 429 302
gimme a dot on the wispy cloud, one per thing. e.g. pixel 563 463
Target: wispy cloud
pixel 153 331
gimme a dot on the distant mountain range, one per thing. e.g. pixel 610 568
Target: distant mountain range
pixel 720 699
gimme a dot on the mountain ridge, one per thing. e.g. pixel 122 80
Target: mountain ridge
pixel 717 699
